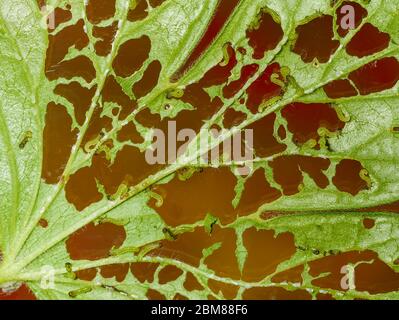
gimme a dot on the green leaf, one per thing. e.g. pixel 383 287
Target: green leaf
pixel 83 215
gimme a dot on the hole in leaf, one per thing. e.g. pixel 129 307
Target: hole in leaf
pixel 266 251
pixel 148 81
pixel 263 88
pixel 106 34
pixel 99 10
pixel 369 223
pixel 376 76
pixel 275 293
pixel 257 191
pixel 144 271
pixel 183 201
pixel 222 13
pixel 228 290
pixel 235 86
pixel 264 142
pixel 367 41
pixel 315 40
pixel 347 177
pixel 340 89
pixel 304 120
pixel 264 34
pixel 119 271
pixel 139 11
pixel 59 44
pixel 155 295
pixel 287 171
pixel 191 283
pixel 131 56
pixel 58 141
pixel 169 274
pixel 94 242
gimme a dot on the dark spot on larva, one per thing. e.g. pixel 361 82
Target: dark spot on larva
pixel 148 81
pixel 81 189
pixel 58 140
pixel 367 41
pixel 376 76
pixel 168 274
pixel 257 191
pixel 183 200
pixel 106 34
pixel 287 172
pixel 131 56
pixel 263 89
pixel 264 35
pixel 340 89
pixel 232 118
pixel 222 13
pixel 275 293
pixel 144 271
pixel 368 223
pixel 235 86
pixel 229 291
pixel 155 295
pixel 265 144
pixel 119 271
pixel 360 14
pixel 191 283
pixel 59 44
pixel 266 251
pixel 315 40
pixel 79 96
pixel 304 120
pixel 100 10
pixel 113 92
pixel 94 242
pixel 347 177
pixel 139 11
